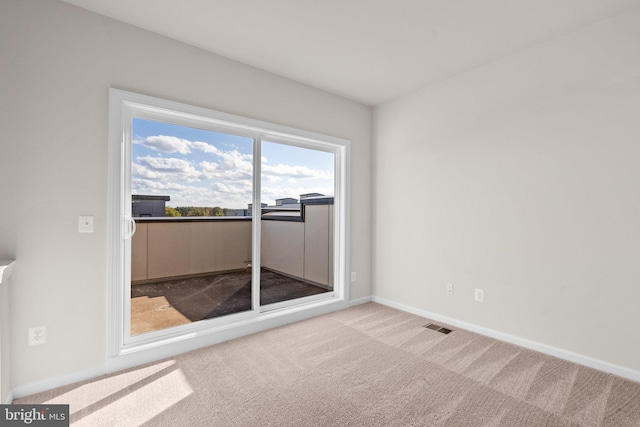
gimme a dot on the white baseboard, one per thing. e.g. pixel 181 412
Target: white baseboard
pixel 358 301
pixel 570 356
pixel 59 381
pixel 9 399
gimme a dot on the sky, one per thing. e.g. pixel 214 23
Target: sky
pixel 198 167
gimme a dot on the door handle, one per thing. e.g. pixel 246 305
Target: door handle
pixel 130 227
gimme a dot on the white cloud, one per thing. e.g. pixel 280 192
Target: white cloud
pixel 271 178
pixel 295 172
pixel 203 146
pixel 236 159
pixel 146 186
pixel 224 187
pixel 172 144
pixel 165 144
pixel 166 169
pixel 233 166
pixel 210 169
pixel 168 164
pixel 140 171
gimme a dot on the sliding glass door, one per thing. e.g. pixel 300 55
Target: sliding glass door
pixel 297 225
pixel 218 219
pixel 191 253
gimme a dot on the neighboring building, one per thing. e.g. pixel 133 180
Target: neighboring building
pixel 145 206
pixel 248 211
pixel 238 212
pixel 309 195
pixel 290 207
pixel 287 202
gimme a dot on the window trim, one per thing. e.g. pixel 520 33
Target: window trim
pixel 123 353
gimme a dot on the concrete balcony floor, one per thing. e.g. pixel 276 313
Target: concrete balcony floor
pixel 167 303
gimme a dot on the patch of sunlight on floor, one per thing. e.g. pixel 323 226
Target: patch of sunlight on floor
pixel 100 389
pixel 140 405
pixel 152 314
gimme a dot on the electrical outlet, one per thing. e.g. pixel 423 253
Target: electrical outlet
pixel 85 224
pixel 479 295
pixel 353 276
pixel 450 288
pixel 37 335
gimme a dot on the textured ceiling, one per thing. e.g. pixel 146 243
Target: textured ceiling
pixel 367 50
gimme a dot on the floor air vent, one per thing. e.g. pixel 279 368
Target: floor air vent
pixel 438 328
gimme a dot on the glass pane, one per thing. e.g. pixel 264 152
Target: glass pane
pixel 297 222
pixel 191 254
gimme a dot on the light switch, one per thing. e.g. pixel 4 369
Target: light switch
pixel 85 224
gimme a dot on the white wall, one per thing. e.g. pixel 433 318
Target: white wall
pixel 58 62
pixel 521 177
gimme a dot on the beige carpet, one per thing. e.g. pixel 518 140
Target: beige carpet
pixel 366 366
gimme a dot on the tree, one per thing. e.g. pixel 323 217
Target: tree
pixel 168 211
pixel 217 211
pixel 200 211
